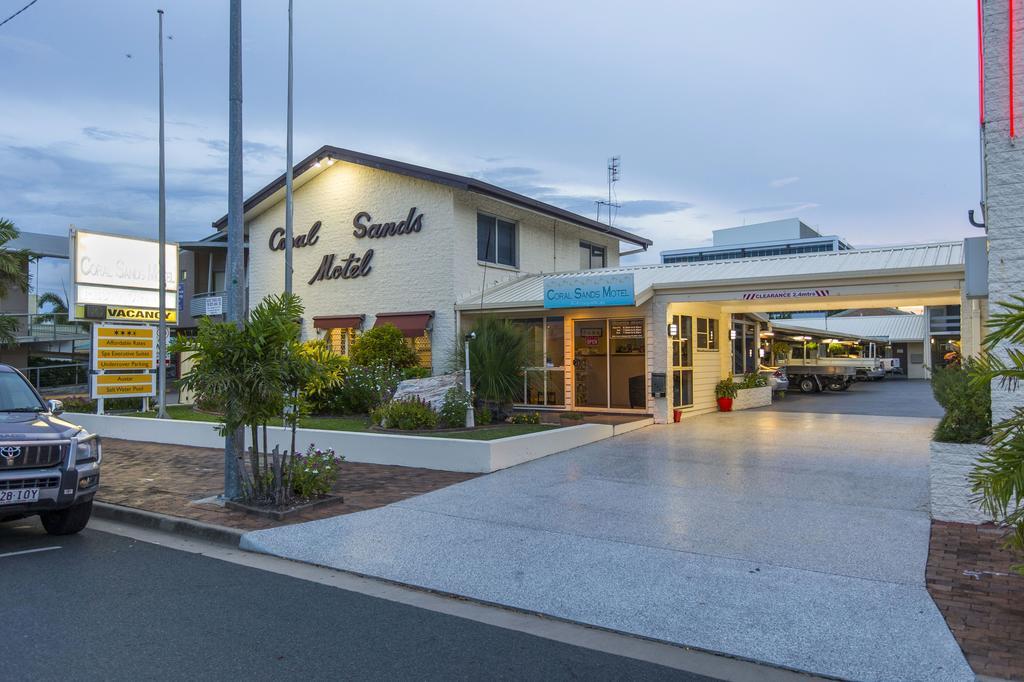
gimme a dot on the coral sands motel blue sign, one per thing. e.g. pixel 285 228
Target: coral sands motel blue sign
pixel 589 291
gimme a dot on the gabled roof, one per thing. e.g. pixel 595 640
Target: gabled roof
pixel 528 291
pixel 892 328
pixel 440 177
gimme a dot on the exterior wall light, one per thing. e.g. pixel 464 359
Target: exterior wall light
pixel 330 161
pixel 732 334
pixel 317 164
pixel 673 330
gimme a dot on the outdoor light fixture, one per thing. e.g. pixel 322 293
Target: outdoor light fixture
pixel 330 161
pixel 760 351
pixel 317 164
pixel 470 417
pixel 673 330
pixel 732 334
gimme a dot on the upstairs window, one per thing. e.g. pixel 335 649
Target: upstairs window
pixel 496 240
pixel 592 256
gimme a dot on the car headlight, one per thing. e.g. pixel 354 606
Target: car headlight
pixel 87 449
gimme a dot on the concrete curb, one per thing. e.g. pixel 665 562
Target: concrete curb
pixel 171 524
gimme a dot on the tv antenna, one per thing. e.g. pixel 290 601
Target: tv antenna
pixel 613 177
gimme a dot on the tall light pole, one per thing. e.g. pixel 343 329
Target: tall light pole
pixel 233 442
pixel 161 372
pixel 288 206
pixel 470 417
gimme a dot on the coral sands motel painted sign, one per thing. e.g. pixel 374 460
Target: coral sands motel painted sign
pixel 334 267
pixel 589 291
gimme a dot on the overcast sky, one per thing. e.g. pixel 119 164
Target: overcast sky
pixel 858 117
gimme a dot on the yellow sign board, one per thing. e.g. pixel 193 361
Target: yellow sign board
pixel 117 313
pixel 123 347
pixel 123 385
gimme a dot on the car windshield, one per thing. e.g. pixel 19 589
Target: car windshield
pixel 16 395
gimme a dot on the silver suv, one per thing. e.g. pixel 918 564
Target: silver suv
pixel 48 466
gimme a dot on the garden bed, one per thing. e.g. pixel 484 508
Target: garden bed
pixel 291 512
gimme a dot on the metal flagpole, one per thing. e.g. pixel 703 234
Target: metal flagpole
pixel 234 442
pixel 161 383
pixel 288 206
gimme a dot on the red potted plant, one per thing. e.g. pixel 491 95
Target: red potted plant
pixel 725 391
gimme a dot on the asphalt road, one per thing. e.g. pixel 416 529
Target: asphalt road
pixel 103 606
pixel 885 398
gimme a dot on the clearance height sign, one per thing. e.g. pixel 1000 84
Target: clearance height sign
pixel 123 355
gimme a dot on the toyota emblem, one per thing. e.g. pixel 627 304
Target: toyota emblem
pixel 10 453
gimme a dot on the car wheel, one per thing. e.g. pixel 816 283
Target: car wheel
pixel 67 521
pixel 836 386
pixel 808 385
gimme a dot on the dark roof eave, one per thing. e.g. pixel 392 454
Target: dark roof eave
pixel 440 177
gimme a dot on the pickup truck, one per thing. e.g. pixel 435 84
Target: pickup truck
pixel 48 466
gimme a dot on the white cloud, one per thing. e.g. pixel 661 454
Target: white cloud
pixel 782 182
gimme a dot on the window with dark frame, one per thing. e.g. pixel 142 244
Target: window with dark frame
pixel 592 256
pixel 682 361
pixel 496 240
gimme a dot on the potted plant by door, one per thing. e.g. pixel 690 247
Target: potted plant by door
pixel 725 391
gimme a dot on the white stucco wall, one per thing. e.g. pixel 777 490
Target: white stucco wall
pixel 1004 163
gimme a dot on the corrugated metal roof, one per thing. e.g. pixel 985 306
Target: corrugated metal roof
pixel 529 289
pixel 894 328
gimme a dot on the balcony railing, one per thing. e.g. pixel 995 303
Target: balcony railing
pixel 31 327
pixel 208 303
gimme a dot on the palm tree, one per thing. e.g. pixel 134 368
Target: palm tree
pixel 58 308
pixel 998 477
pixel 13 274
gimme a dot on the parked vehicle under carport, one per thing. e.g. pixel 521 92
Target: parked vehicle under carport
pixel 817 378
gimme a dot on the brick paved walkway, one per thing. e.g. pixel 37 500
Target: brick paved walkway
pixel 969 578
pixel 169 478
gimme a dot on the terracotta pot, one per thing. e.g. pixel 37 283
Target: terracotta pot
pixel 725 404
pixel 677 415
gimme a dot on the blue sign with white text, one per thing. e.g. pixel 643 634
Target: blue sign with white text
pixel 589 291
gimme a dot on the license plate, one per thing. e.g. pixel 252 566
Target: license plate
pixel 19 496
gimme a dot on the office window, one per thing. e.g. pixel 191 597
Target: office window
pixel 592 256
pixel 707 334
pixel 495 240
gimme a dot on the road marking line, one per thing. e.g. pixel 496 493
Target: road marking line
pixel 29 551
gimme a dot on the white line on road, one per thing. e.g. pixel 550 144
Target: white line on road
pixel 29 551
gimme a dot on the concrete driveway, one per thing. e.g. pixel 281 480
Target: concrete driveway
pixel 796 539
pixel 885 398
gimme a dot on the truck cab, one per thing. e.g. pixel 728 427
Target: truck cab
pixel 48 466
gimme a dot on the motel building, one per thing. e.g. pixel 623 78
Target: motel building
pixel 384 242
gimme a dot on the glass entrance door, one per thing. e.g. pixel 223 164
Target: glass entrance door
pixel 609 364
pixel 590 363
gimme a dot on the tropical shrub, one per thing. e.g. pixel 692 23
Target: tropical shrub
pixel 254 373
pixel 365 388
pixel 496 359
pixel 966 402
pixel 753 380
pixel 524 418
pixel 415 373
pixel 780 350
pixel 726 388
pixel 13 274
pixel 836 349
pixel 408 414
pixel 383 345
pixel 323 385
pixel 453 410
pixel 314 472
pixel 484 416
pixel 998 477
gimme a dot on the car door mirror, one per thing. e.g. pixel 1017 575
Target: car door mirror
pixel 56 406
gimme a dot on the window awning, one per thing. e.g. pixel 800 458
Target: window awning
pixel 338 321
pixel 411 324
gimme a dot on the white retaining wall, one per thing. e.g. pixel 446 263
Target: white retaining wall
pixel 746 398
pixel 948 467
pixel 446 454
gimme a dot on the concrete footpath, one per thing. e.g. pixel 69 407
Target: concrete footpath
pixel 795 539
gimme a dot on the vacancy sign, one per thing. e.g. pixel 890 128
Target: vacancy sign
pixel 123 385
pixel 117 347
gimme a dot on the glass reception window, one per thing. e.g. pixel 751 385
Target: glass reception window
pixel 544 376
